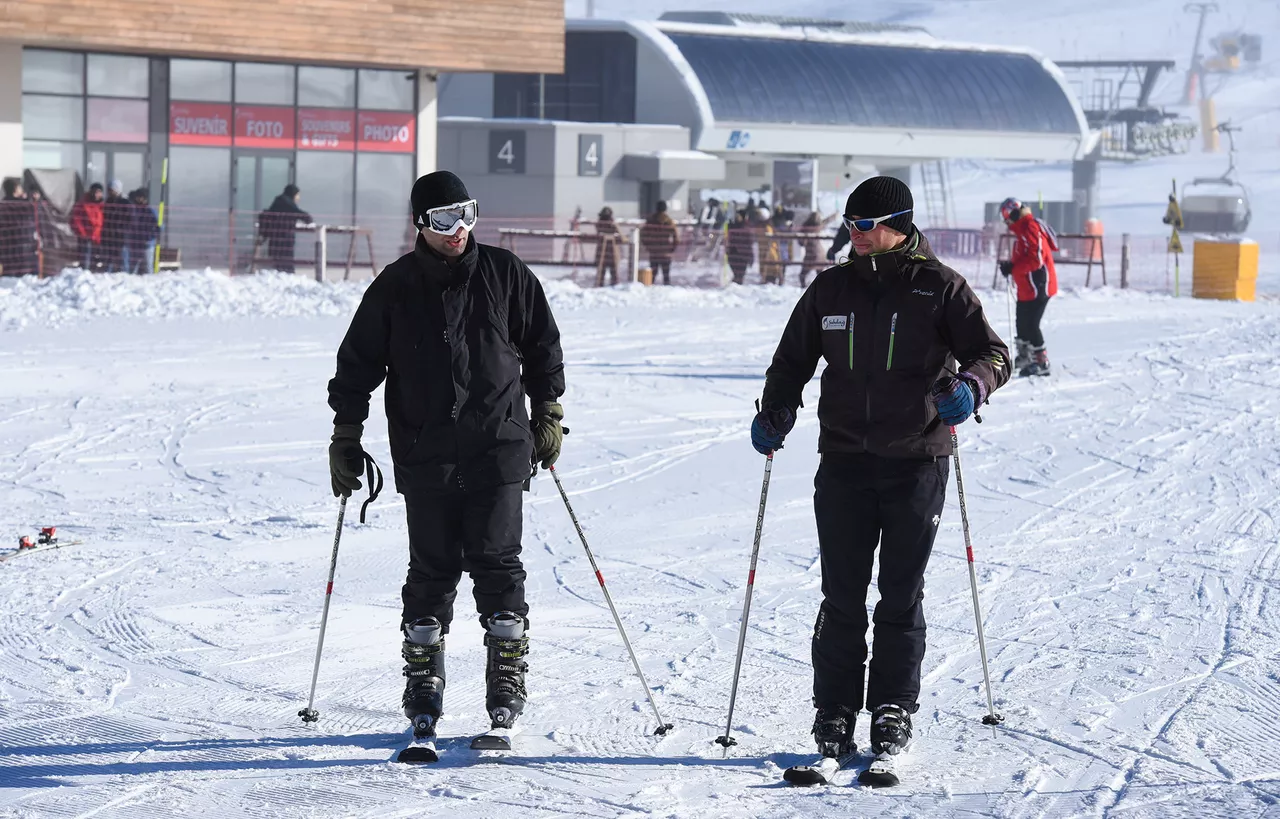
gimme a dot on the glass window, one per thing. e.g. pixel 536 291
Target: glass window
pixel 327 87
pixel 197 217
pixel 264 83
pixel 111 120
pixel 52 156
pixel 328 185
pixel 113 75
pixel 52 72
pixel 52 117
pixel 386 90
pixel 383 182
pixel 200 80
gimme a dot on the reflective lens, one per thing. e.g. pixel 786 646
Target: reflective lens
pixel 447 219
pixel 866 225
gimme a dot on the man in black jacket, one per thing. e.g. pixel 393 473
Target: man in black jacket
pixel 890 322
pixel 278 226
pixel 461 332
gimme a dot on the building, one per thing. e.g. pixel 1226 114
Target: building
pixel 242 98
pixel 794 105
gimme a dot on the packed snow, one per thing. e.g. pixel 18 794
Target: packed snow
pixel 1124 513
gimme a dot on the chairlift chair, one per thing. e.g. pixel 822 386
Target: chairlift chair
pixel 1217 204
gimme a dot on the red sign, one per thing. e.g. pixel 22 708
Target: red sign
pixel 324 129
pixel 392 132
pixel 264 127
pixel 199 123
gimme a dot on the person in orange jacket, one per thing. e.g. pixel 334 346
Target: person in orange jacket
pixel 1036 280
pixel 86 223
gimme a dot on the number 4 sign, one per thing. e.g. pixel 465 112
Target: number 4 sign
pixel 590 155
pixel 506 151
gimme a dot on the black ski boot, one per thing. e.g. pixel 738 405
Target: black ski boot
pixel 890 730
pixel 1039 363
pixel 1021 356
pixel 833 730
pixel 423 652
pixel 504 673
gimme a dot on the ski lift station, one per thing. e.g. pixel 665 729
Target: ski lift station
pixel 721 101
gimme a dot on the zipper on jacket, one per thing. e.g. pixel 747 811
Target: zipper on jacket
pixel 851 341
pixel 893 331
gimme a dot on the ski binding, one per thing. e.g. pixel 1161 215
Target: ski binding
pixel 819 773
pixel 422 748
pixel 496 739
pixel 881 773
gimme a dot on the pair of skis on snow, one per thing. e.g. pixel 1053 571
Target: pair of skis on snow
pixel 422 750
pixel 881 773
pixel 46 540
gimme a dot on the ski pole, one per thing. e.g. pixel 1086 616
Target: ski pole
pixel 992 718
pixel 1008 303
pixel 663 726
pixel 728 740
pixel 310 714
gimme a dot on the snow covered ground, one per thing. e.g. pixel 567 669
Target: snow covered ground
pixel 1125 516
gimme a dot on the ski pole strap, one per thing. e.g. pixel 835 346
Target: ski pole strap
pixel 375 486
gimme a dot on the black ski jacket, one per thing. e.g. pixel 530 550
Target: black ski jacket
pixel 888 327
pixel 460 345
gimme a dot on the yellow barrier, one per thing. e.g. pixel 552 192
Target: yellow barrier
pixel 1225 269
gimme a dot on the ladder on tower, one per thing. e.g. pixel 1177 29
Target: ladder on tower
pixel 935 182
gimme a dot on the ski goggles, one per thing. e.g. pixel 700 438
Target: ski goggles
pixel 868 225
pixel 447 218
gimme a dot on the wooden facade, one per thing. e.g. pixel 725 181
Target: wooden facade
pixel 453 35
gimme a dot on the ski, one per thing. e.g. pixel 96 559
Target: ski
pixel 46 542
pixel 820 772
pixel 420 751
pixel 496 739
pixel 422 746
pixel 881 773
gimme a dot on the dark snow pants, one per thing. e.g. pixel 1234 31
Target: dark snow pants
pixel 1031 311
pixel 477 532
pixel 862 501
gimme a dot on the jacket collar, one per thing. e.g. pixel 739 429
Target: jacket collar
pixel 447 272
pixel 892 262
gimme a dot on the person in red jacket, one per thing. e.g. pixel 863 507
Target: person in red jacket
pixel 86 222
pixel 1036 280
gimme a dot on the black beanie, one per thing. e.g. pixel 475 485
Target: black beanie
pixel 436 190
pixel 881 196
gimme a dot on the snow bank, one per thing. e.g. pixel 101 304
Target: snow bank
pixel 208 294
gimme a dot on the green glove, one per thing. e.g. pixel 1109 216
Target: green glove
pixel 548 435
pixel 346 459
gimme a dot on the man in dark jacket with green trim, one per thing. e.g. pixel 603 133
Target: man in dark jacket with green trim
pixel 891 323
pixel 462 333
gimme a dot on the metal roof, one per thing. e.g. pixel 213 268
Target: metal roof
pixel 875 85
pixel 733 18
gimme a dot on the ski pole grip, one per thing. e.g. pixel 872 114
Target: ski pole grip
pixel 374 476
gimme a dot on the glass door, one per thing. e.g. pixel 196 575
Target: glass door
pixel 127 163
pixel 258 177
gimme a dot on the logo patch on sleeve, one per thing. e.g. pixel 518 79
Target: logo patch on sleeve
pixel 835 322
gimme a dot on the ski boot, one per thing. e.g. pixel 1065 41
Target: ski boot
pixel 504 672
pixel 1021 356
pixel 423 652
pixel 1039 363
pixel 890 729
pixel 833 730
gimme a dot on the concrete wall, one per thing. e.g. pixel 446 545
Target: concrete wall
pixel 551 185
pixel 10 109
pixel 428 105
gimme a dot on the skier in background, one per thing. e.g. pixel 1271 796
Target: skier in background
pixel 278 226
pixel 19 237
pixel 144 230
pixel 607 246
pixel 739 246
pixel 117 214
pixel 660 238
pixel 1036 279
pixel 889 322
pixel 86 223
pixel 462 334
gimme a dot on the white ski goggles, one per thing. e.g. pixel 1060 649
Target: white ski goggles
pixel 868 225
pixel 446 219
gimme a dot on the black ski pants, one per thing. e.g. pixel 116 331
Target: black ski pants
pixel 861 502
pixel 1028 313
pixel 475 531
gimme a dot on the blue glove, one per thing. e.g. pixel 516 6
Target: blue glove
pixel 770 427
pixel 955 398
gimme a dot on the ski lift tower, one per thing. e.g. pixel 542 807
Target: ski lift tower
pixel 1116 98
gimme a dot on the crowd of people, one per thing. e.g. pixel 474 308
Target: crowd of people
pixel 115 233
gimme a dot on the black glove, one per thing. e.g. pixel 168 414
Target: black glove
pixel 346 459
pixel 548 435
pixel 770 428
pixel 1006 269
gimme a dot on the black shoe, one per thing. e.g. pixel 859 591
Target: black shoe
pixel 423 652
pixel 833 730
pixel 504 672
pixel 890 730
